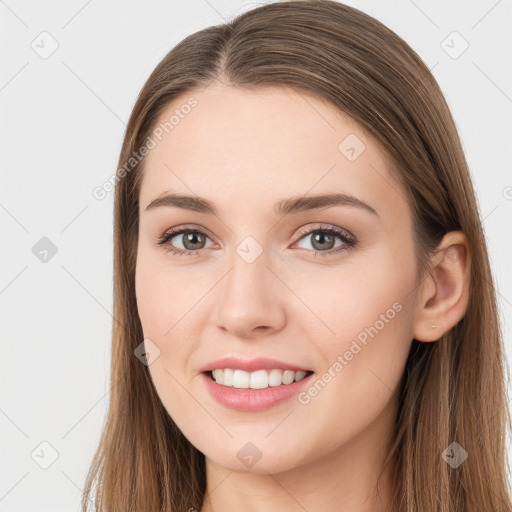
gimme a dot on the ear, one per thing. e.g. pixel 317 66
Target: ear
pixel 444 294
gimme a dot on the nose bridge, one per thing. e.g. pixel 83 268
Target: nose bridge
pixel 249 295
pixel 249 275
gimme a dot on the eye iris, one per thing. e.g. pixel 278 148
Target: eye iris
pixel 321 237
pixel 191 236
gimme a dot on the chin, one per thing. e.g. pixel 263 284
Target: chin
pixel 264 466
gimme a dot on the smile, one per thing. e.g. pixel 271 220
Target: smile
pixel 259 379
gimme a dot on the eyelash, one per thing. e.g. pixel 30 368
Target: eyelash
pixel 349 242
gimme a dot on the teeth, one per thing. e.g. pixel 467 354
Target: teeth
pixel 259 379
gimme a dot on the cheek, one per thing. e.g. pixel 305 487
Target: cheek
pixel 152 304
pixel 172 315
pixel 364 362
pixel 168 301
pixel 349 299
pixel 365 320
pixel 162 304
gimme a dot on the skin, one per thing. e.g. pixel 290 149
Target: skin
pixel 246 151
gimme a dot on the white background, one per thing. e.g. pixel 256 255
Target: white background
pixel 62 122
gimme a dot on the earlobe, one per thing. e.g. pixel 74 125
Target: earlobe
pixel 444 296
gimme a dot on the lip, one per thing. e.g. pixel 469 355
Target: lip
pixel 260 363
pixel 253 400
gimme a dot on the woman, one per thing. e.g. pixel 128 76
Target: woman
pixel 255 369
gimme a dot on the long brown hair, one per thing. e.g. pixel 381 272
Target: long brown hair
pixel 452 390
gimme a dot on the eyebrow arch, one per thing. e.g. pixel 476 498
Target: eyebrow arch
pixel 283 208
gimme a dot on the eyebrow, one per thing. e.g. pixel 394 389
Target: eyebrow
pixel 283 208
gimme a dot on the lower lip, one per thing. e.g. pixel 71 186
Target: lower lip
pixel 253 400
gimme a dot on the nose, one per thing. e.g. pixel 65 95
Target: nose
pixel 251 299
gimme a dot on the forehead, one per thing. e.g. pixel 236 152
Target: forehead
pixel 261 146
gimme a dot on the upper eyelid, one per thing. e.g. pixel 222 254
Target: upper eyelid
pixel 327 227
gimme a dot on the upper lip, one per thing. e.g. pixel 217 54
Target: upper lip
pixel 250 365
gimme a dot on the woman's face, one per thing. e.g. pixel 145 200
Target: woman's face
pixel 262 280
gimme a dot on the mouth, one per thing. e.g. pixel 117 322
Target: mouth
pixel 259 379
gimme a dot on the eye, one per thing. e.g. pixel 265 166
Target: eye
pixel 192 240
pixel 323 239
